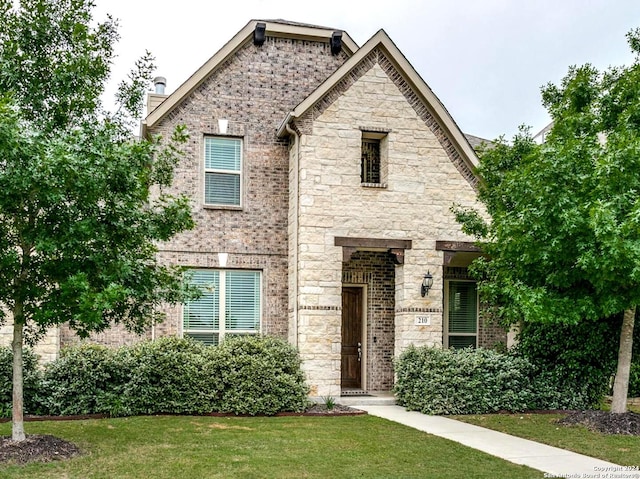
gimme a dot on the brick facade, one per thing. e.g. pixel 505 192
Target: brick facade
pixel 253 90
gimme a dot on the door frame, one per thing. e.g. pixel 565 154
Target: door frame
pixel 365 315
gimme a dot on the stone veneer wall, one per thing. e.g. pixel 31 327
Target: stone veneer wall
pixel 424 178
pixel 376 270
pixel 47 348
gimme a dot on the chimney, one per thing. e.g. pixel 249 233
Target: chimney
pixel 160 83
pixel 156 97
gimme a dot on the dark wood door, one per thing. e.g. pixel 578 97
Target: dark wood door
pixel 351 338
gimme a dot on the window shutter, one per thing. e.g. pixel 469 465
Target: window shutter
pixel 242 305
pixel 463 307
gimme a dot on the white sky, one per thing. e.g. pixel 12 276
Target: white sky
pixel 485 59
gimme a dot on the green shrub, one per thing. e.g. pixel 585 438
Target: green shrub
pixel 245 375
pixel 257 375
pixel 32 378
pixel 86 379
pixel 634 380
pixel 478 381
pixel 168 375
pixel 461 381
pixel 580 359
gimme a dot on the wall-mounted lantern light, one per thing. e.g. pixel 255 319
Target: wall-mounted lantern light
pixel 427 282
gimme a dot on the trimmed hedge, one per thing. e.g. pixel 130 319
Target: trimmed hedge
pixel 475 381
pixel 257 375
pixel 245 375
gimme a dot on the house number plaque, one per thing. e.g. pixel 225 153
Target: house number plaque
pixel 423 320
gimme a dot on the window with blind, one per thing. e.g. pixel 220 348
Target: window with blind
pixel 462 314
pixel 223 171
pixel 229 304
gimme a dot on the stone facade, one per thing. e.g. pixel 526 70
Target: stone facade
pixel 47 347
pixel 424 178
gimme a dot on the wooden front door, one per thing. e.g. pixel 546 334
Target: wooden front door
pixel 352 338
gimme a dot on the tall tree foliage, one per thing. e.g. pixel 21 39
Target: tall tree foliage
pixel 82 203
pixel 563 239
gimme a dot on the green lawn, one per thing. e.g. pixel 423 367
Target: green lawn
pixel 277 447
pixel 619 449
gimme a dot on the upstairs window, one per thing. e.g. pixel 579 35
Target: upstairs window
pixel 373 158
pixel 370 164
pixel 223 171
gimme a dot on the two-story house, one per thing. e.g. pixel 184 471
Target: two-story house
pixel 321 176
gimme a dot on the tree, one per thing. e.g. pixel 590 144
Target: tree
pixel 563 234
pixel 82 203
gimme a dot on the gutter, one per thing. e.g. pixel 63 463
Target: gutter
pixel 284 127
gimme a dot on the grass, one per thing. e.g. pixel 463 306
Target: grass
pixel 283 447
pixel 619 449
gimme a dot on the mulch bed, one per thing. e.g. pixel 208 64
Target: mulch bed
pixel 40 448
pixel 627 423
pixel 336 410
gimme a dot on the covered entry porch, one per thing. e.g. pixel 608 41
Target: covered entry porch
pixel 368 313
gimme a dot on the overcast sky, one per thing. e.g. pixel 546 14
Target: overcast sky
pixel 485 59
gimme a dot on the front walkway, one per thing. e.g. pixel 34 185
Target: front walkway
pixel 551 460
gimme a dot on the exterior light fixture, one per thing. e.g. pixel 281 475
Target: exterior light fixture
pixel 427 282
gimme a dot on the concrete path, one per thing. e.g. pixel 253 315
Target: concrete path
pixel 551 460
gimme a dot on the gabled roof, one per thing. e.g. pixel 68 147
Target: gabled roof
pixel 278 28
pixel 382 41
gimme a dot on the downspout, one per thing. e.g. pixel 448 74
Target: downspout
pixel 296 146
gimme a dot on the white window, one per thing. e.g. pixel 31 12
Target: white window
pixel 461 314
pixel 223 171
pixel 230 304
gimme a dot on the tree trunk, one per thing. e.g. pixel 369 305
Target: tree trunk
pixel 621 384
pixel 17 424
